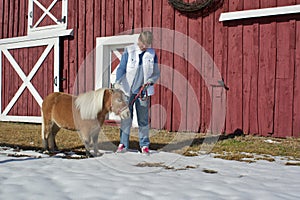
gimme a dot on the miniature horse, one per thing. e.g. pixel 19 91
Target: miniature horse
pixel 84 113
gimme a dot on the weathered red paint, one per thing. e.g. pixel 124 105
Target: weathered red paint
pixel 259 60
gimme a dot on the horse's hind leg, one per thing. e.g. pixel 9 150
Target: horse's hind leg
pixel 46 129
pixel 54 130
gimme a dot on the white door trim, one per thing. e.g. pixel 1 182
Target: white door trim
pixel 105 46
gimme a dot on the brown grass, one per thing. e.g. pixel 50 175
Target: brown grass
pixel 28 136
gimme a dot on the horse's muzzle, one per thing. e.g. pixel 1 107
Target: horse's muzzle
pixel 125 113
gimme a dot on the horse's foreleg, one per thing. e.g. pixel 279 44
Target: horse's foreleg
pixel 86 141
pixel 94 137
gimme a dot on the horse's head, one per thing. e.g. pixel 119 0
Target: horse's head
pixel 118 104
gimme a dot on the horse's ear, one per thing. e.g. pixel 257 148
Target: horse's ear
pixel 111 90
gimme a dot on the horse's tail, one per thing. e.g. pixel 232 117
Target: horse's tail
pixel 43 125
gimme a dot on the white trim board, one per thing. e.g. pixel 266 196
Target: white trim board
pixel 27 119
pixel 264 12
pixel 38 36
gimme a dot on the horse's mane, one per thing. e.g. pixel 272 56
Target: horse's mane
pixel 90 104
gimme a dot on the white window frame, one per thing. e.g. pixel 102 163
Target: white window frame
pixel 255 13
pixel 59 23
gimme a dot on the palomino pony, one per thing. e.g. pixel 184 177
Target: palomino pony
pixel 84 113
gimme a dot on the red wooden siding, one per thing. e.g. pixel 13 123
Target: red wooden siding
pixel 259 60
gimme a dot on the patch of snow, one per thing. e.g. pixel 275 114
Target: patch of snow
pixel 162 176
pixel 271 141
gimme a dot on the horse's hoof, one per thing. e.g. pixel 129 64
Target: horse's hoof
pixel 46 152
pixel 88 154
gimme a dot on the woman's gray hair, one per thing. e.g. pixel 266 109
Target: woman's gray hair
pixel 146 38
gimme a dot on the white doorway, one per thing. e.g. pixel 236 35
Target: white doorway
pixel 108 54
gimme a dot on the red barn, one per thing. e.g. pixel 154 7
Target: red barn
pixel 73 46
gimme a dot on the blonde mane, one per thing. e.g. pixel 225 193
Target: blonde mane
pixel 90 104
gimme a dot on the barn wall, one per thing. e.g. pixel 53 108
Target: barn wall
pixel 259 59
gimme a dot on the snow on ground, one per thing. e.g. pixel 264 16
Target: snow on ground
pixel 135 176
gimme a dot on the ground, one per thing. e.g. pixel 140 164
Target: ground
pixel 242 148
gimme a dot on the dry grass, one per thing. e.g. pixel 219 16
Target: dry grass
pixel 28 136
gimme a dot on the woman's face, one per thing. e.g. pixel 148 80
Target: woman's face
pixel 141 45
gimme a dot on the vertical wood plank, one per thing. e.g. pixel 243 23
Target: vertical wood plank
pixel 147 13
pixel 71 64
pixel 250 71
pixel 23 18
pixel 97 19
pixel 207 66
pixel 1 18
pixel 20 28
pixel 155 109
pixel 38 81
pixel 65 65
pixel 224 67
pixel 5 19
pixel 5 74
pixel 220 56
pixel 167 64
pixel 14 29
pixel 11 18
pixel 128 15
pixel 12 80
pixel 81 44
pixel 17 18
pixel 179 117
pixel 2 83
pixel 110 18
pixel 119 16
pixel 103 18
pixel 284 79
pixel 266 74
pixel 90 41
pixel 25 63
pixel 97 28
pixel 296 105
pixel 137 15
pixel 195 31
pixel 235 70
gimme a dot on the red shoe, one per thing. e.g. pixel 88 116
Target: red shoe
pixel 121 148
pixel 145 150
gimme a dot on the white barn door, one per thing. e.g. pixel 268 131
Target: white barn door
pixel 51 45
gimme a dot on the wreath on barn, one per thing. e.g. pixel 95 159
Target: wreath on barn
pixel 196 6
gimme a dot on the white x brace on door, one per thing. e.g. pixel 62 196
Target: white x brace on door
pixel 50 43
pixel 106 46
